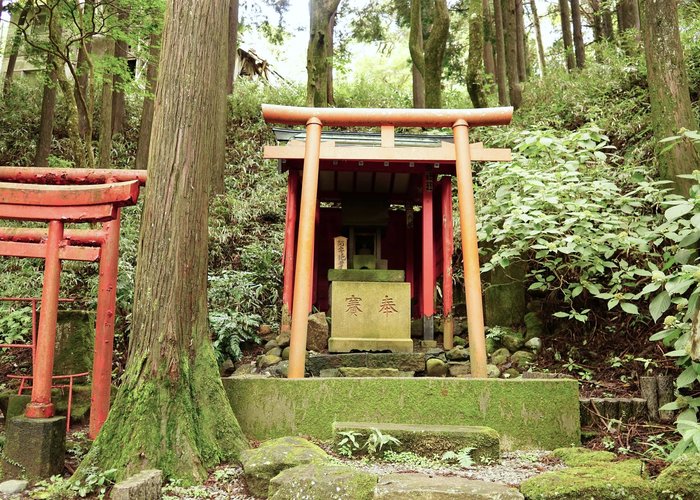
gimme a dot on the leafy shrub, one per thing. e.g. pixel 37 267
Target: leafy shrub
pixel 15 325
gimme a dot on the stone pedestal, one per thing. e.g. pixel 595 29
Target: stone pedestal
pixel 35 447
pixel 370 316
pixel 16 405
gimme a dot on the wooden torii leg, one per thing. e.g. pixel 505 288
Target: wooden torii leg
pixel 428 260
pixel 104 327
pixel 447 249
pixel 41 405
pixel 303 274
pixel 470 250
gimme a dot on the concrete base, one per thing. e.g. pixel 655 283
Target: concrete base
pixel 336 344
pixel 16 405
pixel 36 448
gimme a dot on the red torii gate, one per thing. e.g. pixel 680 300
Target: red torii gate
pixel 74 195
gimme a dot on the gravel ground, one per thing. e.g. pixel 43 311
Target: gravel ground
pixel 227 482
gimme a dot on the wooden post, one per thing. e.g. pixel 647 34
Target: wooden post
pixel 409 249
pixel 290 226
pixel 104 328
pixel 470 250
pixel 41 405
pixel 447 250
pixel 303 274
pixel 428 260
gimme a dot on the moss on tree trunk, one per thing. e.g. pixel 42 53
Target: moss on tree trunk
pixel 319 52
pixel 171 411
pixel 429 55
pixel 475 69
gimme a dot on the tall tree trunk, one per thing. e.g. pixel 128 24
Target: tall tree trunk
pixel 418 88
pixel 147 113
pixel 579 48
pixel 597 24
pixel 81 85
pixel 475 79
pixel 668 89
pixel 538 37
pixel 521 40
pixel 501 79
pixel 510 34
pixel 628 16
pixel 606 22
pixel 171 411
pixel 430 59
pixel 118 96
pixel 489 38
pixel 321 14
pixel 329 58
pixel 567 39
pixel 106 117
pixel 14 48
pixel 48 106
pixel 232 44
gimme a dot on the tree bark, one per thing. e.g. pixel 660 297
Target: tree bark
pixel 232 44
pixel 538 37
pixel 329 58
pixel 521 40
pixel 510 34
pixel 147 113
pixel 81 86
pixel 171 410
pixel 118 97
pixel 501 79
pixel 597 23
pixel 628 16
pixel 14 48
pixel 606 22
pixel 106 117
pixel 567 38
pixel 418 88
pixel 489 61
pixel 321 15
pixel 579 48
pixel 668 89
pixel 475 79
pixel 430 59
pixel 48 106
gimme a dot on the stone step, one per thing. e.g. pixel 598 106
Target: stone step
pixel 432 440
pixel 423 487
pixel 346 371
pixel 406 362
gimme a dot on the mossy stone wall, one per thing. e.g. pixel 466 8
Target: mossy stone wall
pixel 75 342
pixel 527 413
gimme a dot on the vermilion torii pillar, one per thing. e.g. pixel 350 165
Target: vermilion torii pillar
pixel 58 205
pixel 460 155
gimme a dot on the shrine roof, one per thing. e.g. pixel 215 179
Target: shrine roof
pixel 347 138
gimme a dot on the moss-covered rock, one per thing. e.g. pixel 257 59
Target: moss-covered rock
pixel 423 487
pixel 513 341
pixel 323 482
pixel 599 482
pixel 522 359
pixel 579 457
pixel 261 464
pixel 75 340
pixel 534 326
pixel 681 479
pixel 435 367
pixel 500 356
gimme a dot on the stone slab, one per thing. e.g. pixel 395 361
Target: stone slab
pixel 423 487
pixel 323 482
pixel 384 275
pixel 528 414
pixel 314 364
pixel 142 486
pixel 370 316
pixel 403 361
pixel 36 448
pixel 433 440
pixel 372 372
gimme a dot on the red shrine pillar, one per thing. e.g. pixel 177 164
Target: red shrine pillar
pixel 428 260
pixel 290 233
pixel 447 250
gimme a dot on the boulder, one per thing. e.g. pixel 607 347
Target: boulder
pixel 500 356
pixel 347 371
pixel 264 330
pixel 261 464
pixel 492 371
pixel 436 353
pixel 267 360
pixel 280 370
pixel 522 358
pixel 322 482
pixel 458 354
pixel 227 368
pixel 244 369
pixel 285 353
pixel 578 457
pixel 459 369
pixel 513 341
pixel 13 486
pixel 511 373
pixel 459 342
pixel 491 345
pixel 435 367
pixel 534 326
pixel 534 344
pixel 317 332
pixel 329 372
pixel 681 479
pixel 282 340
pixel 275 351
pixel 600 482
pixel 423 487
pixel 142 486
pixel 270 345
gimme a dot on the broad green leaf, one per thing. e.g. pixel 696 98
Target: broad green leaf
pixel 629 308
pixel 677 211
pixel 687 377
pixel 659 305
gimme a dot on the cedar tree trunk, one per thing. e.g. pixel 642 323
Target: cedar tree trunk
pixel 579 48
pixel 567 38
pixel 321 13
pixel 232 44
pixel 48 106
pixel 171 410
pixel 501 80
pixel 429 61
pixel 521 40
pixel 475 79
pixel 106 116
pixel 668 89
pixel 489 62
pixel 538 37
pixel 14 48
pixel 147 111
pixel 510 33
